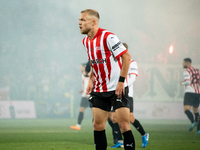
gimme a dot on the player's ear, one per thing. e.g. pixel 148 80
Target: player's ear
pixel 95 21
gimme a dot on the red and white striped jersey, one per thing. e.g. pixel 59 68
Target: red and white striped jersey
pixel 131 76
pixel 192 80
pixel 104 52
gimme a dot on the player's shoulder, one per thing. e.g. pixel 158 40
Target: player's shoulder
pixel 107 33
pixel 191 69
pixel 197 69
pixel 133 62
pixel 187 71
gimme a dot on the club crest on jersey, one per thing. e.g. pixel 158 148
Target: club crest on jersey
pixel 98 48
pixel 98 61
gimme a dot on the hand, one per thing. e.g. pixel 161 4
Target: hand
pixel 119 90
pixel 89 87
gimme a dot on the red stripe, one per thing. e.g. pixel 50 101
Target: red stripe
pixel 121 53
pixel 195 84
pixel 134 73
pixel 127 80
pixel 197 77
pixel 195 87
pixel 94 65
pixel 186 79
pixel 101 65
pixel 108 54
pixel 191 73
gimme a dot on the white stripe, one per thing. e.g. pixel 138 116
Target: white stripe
pixel 104 56
pixel 89 51
pixel 96 58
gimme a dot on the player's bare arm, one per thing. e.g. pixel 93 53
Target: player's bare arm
pixel 126 58
pixel 90 83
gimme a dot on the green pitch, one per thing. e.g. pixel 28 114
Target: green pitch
pixel 55 134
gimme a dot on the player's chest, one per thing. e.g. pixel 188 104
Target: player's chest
pixel 96 48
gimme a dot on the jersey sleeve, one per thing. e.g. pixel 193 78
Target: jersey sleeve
pixel 132 72
pixel 186 76
pixel 133 68
pixel 115 46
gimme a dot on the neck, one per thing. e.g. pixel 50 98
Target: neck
pixel 93 32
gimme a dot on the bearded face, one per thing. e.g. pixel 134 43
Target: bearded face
pixel 85 23
pixel 185 65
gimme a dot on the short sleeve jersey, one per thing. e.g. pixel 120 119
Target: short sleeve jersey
pixel 104 52
pixel 193 75
pixel 132 73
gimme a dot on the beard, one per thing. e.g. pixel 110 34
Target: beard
pixel 185 66
pixel 86 31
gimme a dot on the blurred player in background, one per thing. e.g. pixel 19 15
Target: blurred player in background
pixel 131 77
pixel 108 73
pixel 192 91
pixel 84 100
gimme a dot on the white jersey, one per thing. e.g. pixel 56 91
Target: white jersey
pixel 131 76
pixel 85 81
pixel 191 80
pixel 104 52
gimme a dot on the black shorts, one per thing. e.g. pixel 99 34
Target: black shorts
pixel 84 102
pixel 131 104
pixel 192 99
pixel 105 100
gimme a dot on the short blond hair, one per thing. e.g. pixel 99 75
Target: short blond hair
pixel 91 12
pixel 125 45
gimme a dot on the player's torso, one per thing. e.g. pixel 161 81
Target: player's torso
pixel 105 65
pixel 194 86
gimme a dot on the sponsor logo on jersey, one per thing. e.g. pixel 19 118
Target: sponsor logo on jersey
pixel 98 61
pixel 116 46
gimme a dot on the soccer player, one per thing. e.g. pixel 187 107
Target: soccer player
pixel 192 91
pixel 84 100
pixel 131 77
pixel 105 51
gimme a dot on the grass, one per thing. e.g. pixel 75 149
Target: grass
pixel 55 134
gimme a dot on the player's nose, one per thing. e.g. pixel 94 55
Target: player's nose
pixel 79 22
